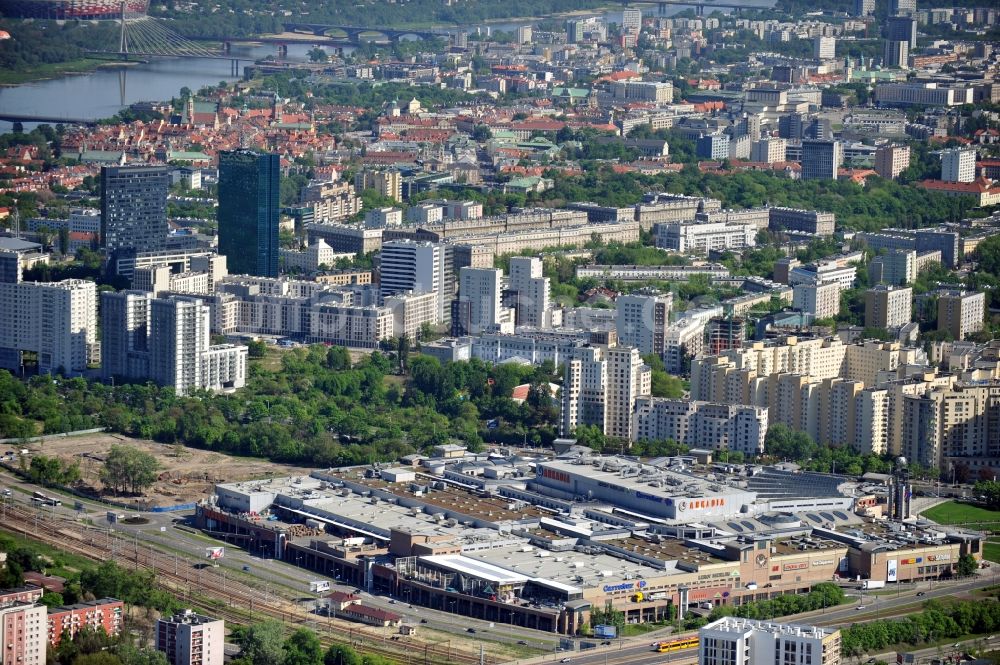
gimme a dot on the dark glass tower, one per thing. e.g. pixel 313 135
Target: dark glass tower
pixel 249 194
pixel 134 208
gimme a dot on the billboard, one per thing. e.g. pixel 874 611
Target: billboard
pixel 605 632
pixel 215 553
pixel 890 570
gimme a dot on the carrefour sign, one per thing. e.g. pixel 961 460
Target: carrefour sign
pixel 625 586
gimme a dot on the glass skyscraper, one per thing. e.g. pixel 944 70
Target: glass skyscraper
pixel 249 194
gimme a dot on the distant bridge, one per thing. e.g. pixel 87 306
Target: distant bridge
pixel 353 32
pixel 699 5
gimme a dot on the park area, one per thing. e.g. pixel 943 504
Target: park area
pixel 973 517
pixel 184 475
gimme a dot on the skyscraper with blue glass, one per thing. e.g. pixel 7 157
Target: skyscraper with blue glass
pixel 249 195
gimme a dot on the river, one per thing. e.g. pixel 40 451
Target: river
pixel 103 92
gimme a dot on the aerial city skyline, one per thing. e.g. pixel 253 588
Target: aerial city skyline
pixel 480 332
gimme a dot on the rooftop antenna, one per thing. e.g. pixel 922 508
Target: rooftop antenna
pixel 17 223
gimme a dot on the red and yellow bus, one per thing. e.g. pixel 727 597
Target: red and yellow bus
pixel 680 644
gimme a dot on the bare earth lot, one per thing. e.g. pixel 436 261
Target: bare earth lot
pixel 186 474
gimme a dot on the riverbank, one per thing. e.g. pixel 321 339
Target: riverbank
pixel 54 70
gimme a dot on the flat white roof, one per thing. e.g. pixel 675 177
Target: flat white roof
pixel 480 569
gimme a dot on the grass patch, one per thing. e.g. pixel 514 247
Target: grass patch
pixel 49 70
pixel 991 551
pixel 954 512
pixel 636 629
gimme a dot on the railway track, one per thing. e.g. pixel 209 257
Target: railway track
pixel 207 590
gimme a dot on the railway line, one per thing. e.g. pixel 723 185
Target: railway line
pixel 207 590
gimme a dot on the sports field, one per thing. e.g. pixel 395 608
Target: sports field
pixel 964 514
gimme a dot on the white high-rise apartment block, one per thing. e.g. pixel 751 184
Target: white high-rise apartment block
pixel 57 320
pixel 825 48
pixel 702 424
pixel 822 299
pixel 627 380
pixel 642 319
pixel 178 336
pixel 601 387
pixel 888 306
pixel 480 291
pixel 167 340
pixel 407 265
pixel 191 639
pixel 24 634
pixel 737 641
pixel 532 288
pixel 631 19
pixel 958 165
pixel 769 150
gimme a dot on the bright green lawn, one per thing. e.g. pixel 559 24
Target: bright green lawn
pixel 954 512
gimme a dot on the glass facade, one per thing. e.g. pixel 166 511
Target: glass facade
pixel 248 212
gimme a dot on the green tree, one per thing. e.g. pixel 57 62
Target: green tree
pixel 341 654
pixel 966 565
pixel 126 468
pixel 303 648
pixel 263 644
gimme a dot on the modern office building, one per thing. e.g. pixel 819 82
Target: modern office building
pixel 528 290
pixel 738 641
pixel 961 313
pixel 642 320
pixel 191 639
pixel 901 29
pixel 958 165
pixel 891 160
pixel 821 159
pixel 134 208
pixel 55 320
pixel 249 195
pixel 888 306
pixel 864 8
pixel 23 633
pixel 407 265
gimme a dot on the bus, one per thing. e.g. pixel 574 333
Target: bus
pixel 42 499
pixel 677 645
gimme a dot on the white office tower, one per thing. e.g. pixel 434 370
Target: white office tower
pixel 642 319
pixel 737 641
pixel 407 265
pixel 958 165
pixel 56 320
pixel 531 292
pixel 479 292
pixel 601 387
